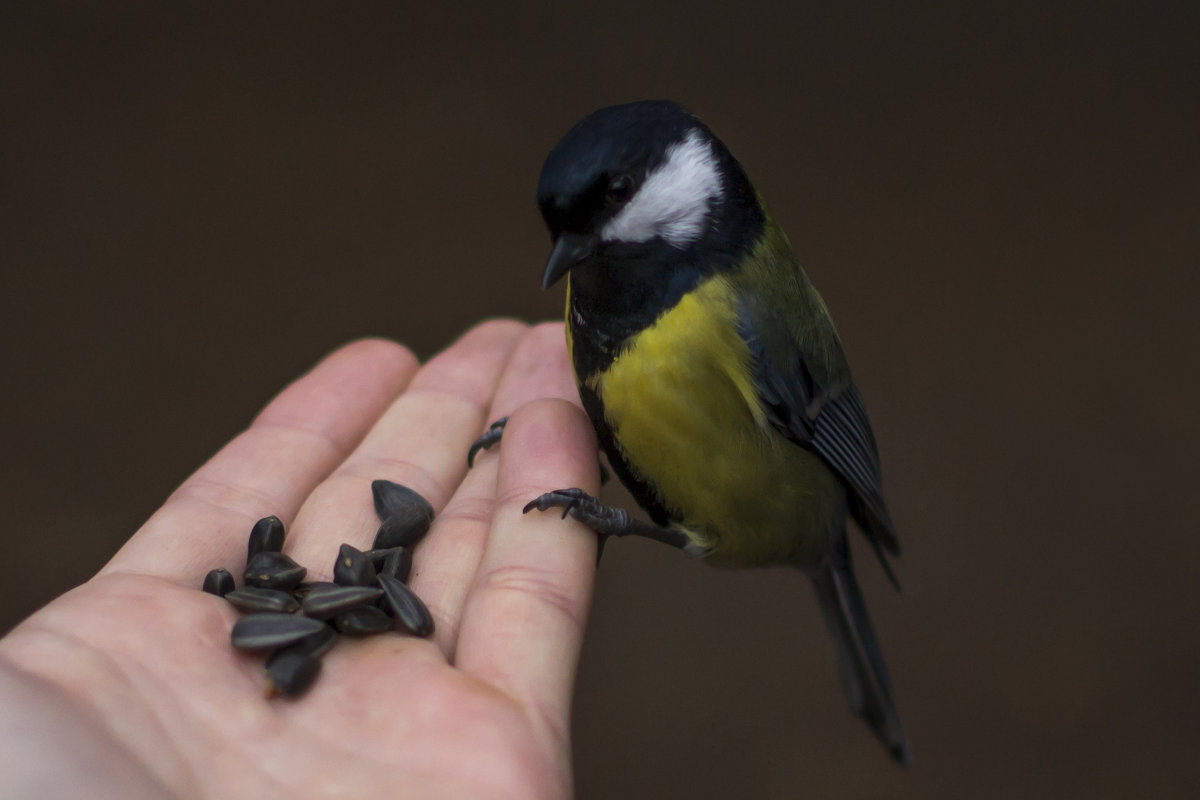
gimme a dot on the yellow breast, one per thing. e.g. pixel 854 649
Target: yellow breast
pixel 685 412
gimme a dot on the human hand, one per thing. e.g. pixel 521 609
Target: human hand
pixel 127 685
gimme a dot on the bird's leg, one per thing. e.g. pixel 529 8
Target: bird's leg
pixel 609 521
pixel 492 436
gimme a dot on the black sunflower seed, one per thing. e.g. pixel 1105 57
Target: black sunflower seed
pixel 253 599
pixel 323 602
pixel 291 671
pixel 362 621
pixel 318 643
pixel 392 497
pixel 353 568
pixel 265 537
pixel 376 557
pixel 273 571
pixel 302 589
pixel 271 631
pixel 398 564
pixel 408 609
pixel 404 528
pixel 218 582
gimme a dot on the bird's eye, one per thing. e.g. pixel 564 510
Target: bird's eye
pixel 620 189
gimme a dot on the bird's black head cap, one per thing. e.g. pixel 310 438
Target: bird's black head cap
pixel 617 143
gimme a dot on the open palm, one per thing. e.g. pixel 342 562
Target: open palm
pixel 127 685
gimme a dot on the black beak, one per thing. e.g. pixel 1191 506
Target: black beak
pixel 569 250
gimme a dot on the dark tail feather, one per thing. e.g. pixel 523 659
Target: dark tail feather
pixel 860 664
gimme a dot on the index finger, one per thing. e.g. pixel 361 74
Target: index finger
pixel 524 619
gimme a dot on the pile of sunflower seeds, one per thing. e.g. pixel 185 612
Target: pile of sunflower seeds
pixel 298 622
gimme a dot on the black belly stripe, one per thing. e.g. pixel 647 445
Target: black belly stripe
pixel 642 491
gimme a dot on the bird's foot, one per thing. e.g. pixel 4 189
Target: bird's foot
pixel 606 520
pixel 585 508
pixel 485 442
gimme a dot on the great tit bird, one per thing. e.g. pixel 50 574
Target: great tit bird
pixel 712 372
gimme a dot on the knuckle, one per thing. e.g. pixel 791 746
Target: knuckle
pixel 468 510
pixel 544 588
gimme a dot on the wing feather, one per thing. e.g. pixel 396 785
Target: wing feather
pixel 832 422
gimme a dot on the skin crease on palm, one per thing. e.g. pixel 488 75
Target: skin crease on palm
pixel 127 685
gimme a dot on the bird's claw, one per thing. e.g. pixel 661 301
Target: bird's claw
pixel 567 499
pixel 485 442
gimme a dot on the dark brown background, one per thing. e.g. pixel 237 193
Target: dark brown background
pixel 998 200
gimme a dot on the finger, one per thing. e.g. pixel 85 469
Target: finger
pixel 272 466
pixel 449 557
pixel 420 441
pixel 524 618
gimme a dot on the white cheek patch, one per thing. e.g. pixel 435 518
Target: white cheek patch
pixel 674 200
